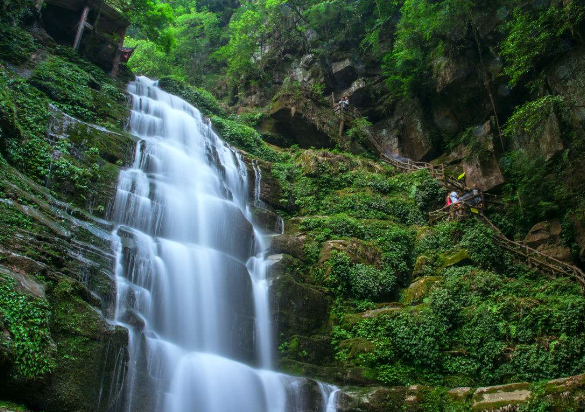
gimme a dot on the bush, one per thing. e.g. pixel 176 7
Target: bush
pixel 199 98
pixel 429 195
pixel 359 281
pixel 16 44
pixel 243 137
pixel 27 320
pixel 81 90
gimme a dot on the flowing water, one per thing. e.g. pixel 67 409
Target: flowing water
pixel 191 273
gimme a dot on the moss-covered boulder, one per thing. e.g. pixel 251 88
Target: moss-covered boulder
pixel 419 289
pixel 495 397
pixel 358 251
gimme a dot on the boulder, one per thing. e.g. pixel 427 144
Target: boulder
pixel 405 133
pixel 450 72
pixel 420 289
pixel 546 238
pixel 495 397
pixel 482 171
pixel 550 141
pixel 358 93
pixel 373 400
pixel 460 257
pixel 293 245
pixel 460 393
pixel 344 73
pixel 267 220
pixel 358 251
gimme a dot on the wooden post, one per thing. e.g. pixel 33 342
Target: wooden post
pixel 80 27
pixel 114 71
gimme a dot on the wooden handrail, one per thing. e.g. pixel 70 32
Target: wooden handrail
pixel 532 256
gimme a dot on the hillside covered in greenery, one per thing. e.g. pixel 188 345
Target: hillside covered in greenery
pixel 367 292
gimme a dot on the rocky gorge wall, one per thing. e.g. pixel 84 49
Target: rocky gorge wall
pixel 62 144
pixel 365 292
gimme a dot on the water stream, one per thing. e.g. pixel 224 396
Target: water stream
pixel 191 273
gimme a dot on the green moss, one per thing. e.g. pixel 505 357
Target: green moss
pixel 200 98
pixel 81 90
pixel 453 259
pixel 16 44
pixel 243 137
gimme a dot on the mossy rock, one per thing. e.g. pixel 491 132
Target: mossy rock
pixel 494 397
pixel 338 375
pixel 356 346
pixel 419 290
pixel 375 399
pixel 357 250
pixel 460 257
pixel 297 308
pixel 316 350
pixel 423 264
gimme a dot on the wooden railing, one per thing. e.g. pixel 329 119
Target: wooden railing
pixel 407 166
pixel 532 257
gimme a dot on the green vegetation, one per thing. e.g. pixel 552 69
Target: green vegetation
pixel 81 90
pixel 27 320
pixel 404 302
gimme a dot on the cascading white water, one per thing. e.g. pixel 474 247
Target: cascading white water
pixel 191 272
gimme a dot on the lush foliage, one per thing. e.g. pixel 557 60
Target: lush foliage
pixel 359 280
pixel 536 33
pixel 27 320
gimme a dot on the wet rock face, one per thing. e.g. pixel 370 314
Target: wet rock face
pixel 405 133
pixel 62 255
pixel 566 78
pixel 297 308
pixel 548 142
pixel 546 238
pixel 293 245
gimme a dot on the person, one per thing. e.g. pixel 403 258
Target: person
pixel 345 103
pixel 453 200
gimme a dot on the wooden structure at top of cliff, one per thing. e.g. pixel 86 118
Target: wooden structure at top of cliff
pixel 95 28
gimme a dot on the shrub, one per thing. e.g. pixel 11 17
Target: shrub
pixel 243 137
pixel 359 281
pixel 27 320
pixel 200 98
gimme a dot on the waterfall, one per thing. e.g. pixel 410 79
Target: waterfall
pixel 191 272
